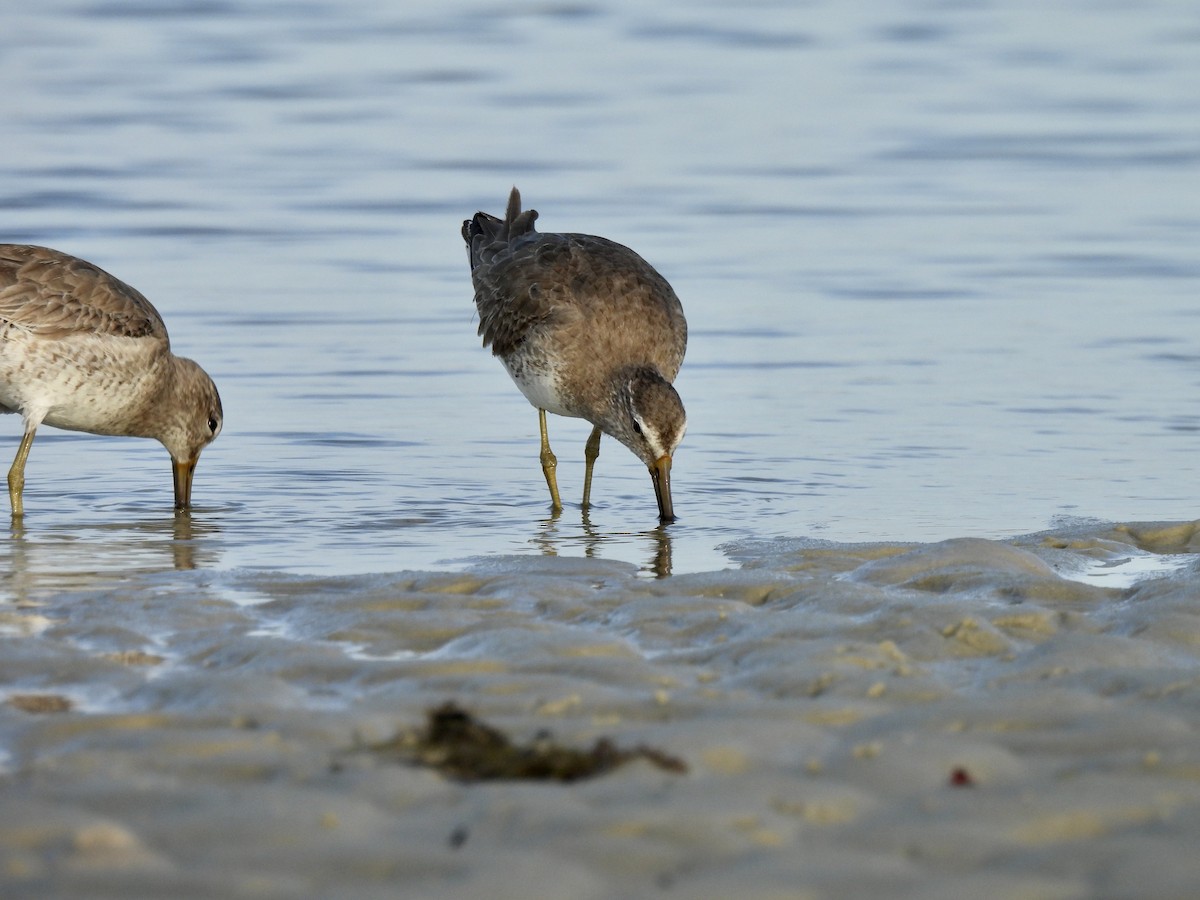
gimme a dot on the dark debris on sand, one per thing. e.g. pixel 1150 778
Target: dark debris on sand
pixel 464 748
pixel 41 703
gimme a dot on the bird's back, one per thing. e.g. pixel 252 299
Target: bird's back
pixel 573 290
pixel 54 295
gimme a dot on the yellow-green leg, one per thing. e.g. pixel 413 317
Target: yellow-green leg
pixel 549 463
pixel 591 450
pixel 16 475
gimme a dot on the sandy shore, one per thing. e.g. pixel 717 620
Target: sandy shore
pixel 972 718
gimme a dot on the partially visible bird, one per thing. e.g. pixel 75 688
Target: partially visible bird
pixel 84 351
pixel 586 328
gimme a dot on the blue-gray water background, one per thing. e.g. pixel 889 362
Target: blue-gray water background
pixel 939 263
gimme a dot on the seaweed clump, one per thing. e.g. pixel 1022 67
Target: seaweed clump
pixel 41 703
pixel 465 748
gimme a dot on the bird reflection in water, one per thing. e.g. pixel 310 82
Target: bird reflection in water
pixel 40 562
pixel 553 539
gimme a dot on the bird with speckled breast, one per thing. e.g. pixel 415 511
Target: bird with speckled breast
pixel 83 351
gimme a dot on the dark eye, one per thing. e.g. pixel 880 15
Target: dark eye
pixel 637 427
pixel 213 424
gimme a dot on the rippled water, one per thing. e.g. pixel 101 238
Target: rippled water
pixel 939 262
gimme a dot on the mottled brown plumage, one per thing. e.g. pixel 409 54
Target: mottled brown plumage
pixel 586 328
pixel 83 351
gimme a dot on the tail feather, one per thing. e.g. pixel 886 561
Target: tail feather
pixel 485 235
pixel 514 206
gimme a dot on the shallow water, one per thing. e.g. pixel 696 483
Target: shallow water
pixel 939 266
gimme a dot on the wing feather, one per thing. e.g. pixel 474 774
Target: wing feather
pixel 55 295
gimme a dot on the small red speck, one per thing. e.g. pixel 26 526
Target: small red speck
pixel 960 777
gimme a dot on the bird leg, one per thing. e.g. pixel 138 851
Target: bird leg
pixel 16 475
pixel 590 451
pixel 549 463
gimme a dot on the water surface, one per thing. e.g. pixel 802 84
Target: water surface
pixel 938 263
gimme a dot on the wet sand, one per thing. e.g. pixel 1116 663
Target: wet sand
pixel 961 719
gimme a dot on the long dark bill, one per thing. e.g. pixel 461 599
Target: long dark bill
pixel 183 472
pixel 660 474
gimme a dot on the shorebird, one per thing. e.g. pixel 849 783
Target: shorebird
pixel 83 351
pixel 586 328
